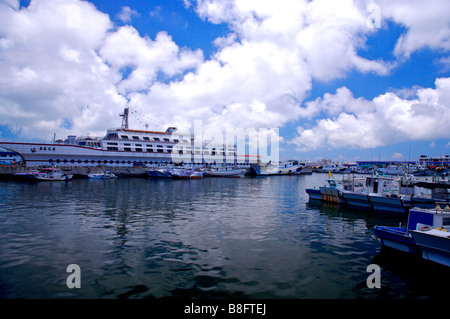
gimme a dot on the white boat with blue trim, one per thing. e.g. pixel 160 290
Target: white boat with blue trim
pixel 46 174
pixel 273 169
pixel 427 234
pixel 102 175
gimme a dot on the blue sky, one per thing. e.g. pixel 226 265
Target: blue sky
pixel 333 86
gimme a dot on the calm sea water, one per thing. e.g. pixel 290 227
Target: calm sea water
pixel 209 238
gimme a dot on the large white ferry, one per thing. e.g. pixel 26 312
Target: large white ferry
pixel 126 147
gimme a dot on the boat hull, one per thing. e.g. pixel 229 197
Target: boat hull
pixel 234 173
pixel 397 238
pixel 435 245
pixel 314 193
pixel 94 176
pixel 159 173
pixel 394 205
pixel 272 170
pixel 360 200
pixel 331 195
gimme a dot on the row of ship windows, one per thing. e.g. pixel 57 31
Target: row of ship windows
pixel 109 162
pixel 148 145
pixel 169 150
pixel 145 138
pixel 105 161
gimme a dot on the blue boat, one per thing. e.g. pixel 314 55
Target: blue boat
pixel 390 203
pixel 427 234
pixel 333 191
pixel 382 194
pixel 160 173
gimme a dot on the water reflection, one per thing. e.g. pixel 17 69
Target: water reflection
pixel 155 238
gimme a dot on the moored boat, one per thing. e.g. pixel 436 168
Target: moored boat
pixel 334 168
pixel 160 173
pixel 426 234
pixel 102 175
pixel 381 193
pixel 333 192
pixel 273 169
pixel 428 194
pixel 225 172
pixel 45 174
pixel 185 173
pixel 396 197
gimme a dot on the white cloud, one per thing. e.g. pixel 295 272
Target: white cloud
pixel 125 48
pixel 387 119
pixel 426 22
pixel 264 68
pixel 57 57
pixel 397 156
pixel 50 68
pixel 126 14
pixel 445 62
pixel 304 28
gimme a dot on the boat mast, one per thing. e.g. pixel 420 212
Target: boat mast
pixel 125 118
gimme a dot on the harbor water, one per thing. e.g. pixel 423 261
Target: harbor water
pixel 253 237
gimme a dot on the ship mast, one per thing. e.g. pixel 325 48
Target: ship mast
pixel 125 118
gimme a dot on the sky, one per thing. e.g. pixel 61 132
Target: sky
pixel 339 79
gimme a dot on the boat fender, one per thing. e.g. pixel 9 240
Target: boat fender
pixel 425 228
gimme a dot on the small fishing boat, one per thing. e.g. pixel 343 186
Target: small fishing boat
pixel 334 168
pixel 384 194
pixel 102 175
pixel 225 172
pixel 333 192
pixel 273 169
pixel 428 194
pixel 395 197
pixel 426 234
pixel 186 173
pixel 160 173
pixel 45 174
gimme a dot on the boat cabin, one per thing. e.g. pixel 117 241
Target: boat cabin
pixel 437 218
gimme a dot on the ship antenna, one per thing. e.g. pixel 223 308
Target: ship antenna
pixel 125 118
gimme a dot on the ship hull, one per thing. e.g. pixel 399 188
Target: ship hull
pixel 38 154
